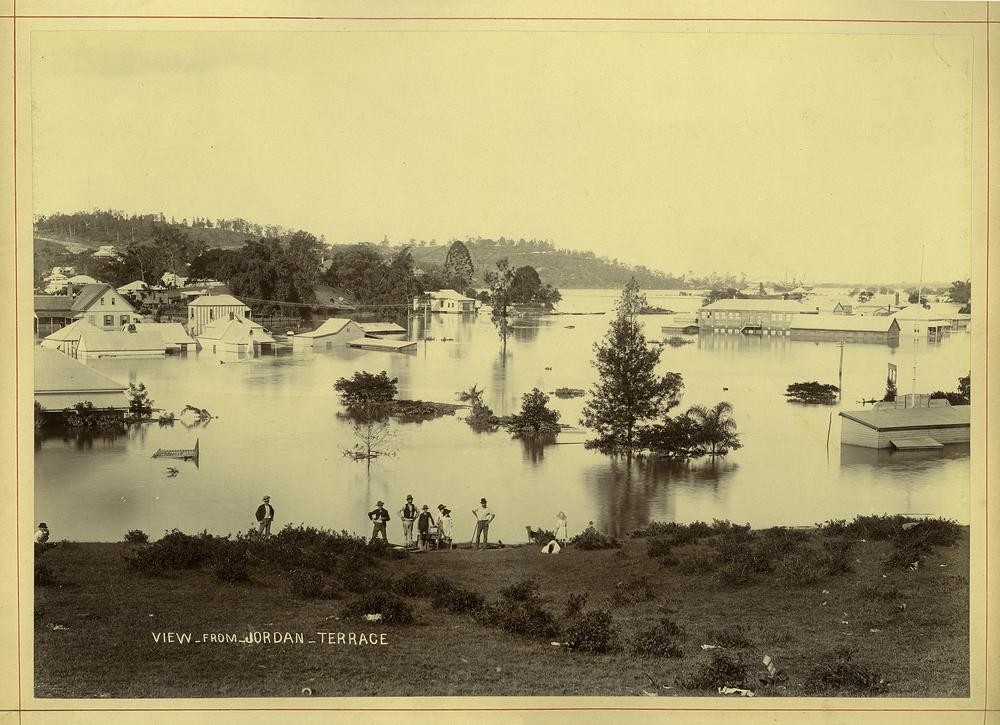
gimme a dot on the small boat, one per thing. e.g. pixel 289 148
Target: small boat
pixel 184 454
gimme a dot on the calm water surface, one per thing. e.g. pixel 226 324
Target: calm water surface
pixel 278 433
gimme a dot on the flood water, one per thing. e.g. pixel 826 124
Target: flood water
pixel 278 433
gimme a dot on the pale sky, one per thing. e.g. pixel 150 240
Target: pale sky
pixel 820 156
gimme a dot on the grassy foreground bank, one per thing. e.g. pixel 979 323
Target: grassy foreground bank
pixel 840 610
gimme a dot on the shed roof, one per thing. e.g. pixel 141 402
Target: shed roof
pixel 210 300
pixel 173 333
pixel 943 416
pixel 383 327
pixel 117 341
pixel 330 327
pixel 847 323
pixel 55 373
pixel 88 295
pixel 72 331
pixel 238 330
pixel 758 306
pixel 53 303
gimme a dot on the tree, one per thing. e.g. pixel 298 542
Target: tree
pixel 525 284
pixel 536 419
pixel 965 387
pixel 963 396
pixel 139 404
pixel 673 438
pixel 500 281
pixel 629 391
pixel 715 429
pixel 890 390
pixel 458 267
pixel 373 432
pixel 724 293
pixel 812 393
pixel 364 389
pixel 960 292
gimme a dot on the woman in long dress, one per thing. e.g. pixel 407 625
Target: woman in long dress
pixel 561 528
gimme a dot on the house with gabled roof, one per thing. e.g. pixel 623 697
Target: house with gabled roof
pixel 239 335
pixel 103 307
pixel 67 339
pixel 751 316
pixel 61 382
pixel 335 332
pixel 209 309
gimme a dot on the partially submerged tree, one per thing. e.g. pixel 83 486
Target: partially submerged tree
pixel 458 268
pixel 812 393
pixel 482 416
pixel 715 429
pixel 139 404
pixel 500 281
pixel 373 433
pixel 536 419
pixel 365 391
pixel 963 396
pixel 629 391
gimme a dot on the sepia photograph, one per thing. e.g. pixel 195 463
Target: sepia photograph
pixel 463 359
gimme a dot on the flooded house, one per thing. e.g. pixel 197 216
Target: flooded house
pixel 99 304
pixel 210 309
pixel 239 336
pixel 66 339
pixel 334 332
pixel 751 316
pixel 61 382
pixel 119 343
pixel 382 328
pixel 175 339
pixel 910 423
pixel 849 328
pixel 445 300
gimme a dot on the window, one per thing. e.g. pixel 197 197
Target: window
pixel 109 320
pixel 102 301
pixel 232 315
pixel 246 313
pixel 112 301
pixel 211 314
pixel 192 314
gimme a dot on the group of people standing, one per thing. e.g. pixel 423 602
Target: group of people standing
pixel 429 529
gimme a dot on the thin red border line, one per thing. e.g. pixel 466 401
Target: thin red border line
pixel 14 16
pixel 498 709
pixel 17 381
pixel 508 18
pixel 986 386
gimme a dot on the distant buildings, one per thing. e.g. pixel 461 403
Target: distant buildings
pixel 107 251
pixel 849 328
pixel 750 316
pixel 446 300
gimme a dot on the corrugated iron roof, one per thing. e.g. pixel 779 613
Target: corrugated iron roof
pixel 88 295
pixel 53 303
pixel 55 372
pixel 758 306
pixel 846 323
pixel 106 341
pixel 331 326
pixel 211 300
pixel 72 331
pixel 944 416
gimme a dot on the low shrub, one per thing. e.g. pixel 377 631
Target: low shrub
pixel 417 583
pixel 634 589
pixel 393 609
pixel 837 556
pixel 877 528
pixel 307 584
pixel 230 563
pixel 674 532
pixel 833 527
pixel 907 553
pixel 521 617
pixel 591 539
pixel 176 550
pixel 521 591
pixel 723 526
pixel 800 569
pixel 574 605
pixel 700 560
pixel 736 572
pixel 455 599
pixel 723 670
pixel 735 637
pixel 661 640
pixel 136 536
pixel 660 546
pixel 839 673
pixel 776 542
pixel 937 532
pixel 360 581
pixel 592 632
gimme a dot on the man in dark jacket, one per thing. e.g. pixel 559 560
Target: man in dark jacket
pixel 378 517
pixel 265 515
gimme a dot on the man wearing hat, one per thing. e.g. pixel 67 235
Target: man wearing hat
pixel 378 517
pixel 425 522
pixel 42 533
pixel 408 515
pixel 265 515
pixel 483 518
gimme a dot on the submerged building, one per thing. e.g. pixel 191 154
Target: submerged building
pixel 930 424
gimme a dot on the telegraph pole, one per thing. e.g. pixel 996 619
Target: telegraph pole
pixel 840 373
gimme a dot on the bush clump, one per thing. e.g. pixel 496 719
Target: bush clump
pixel 43 574
pixel 800 569
pixel 521 591
pixel 415 584
pixel 661 640
pixel 175 551
pixel 839 673
pixel 634 589
pixel 136 536
pixel 699 560
pixel 392 609
pixel 230 563
pixel 305 584
pixel 592 632
pixel 836 556
pixel 723 670
pixel 591 539
pixel 518 611
pixel 455 599
pixel 574 605
pixel 735 637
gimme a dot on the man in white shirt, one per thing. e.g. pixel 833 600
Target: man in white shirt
pixel 265 515
pixel 483 518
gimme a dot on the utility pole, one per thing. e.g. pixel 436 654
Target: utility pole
pixel 840 373
pixel 916 322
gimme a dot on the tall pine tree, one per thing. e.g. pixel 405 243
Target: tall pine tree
pixel 458 266
pixel 629 391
